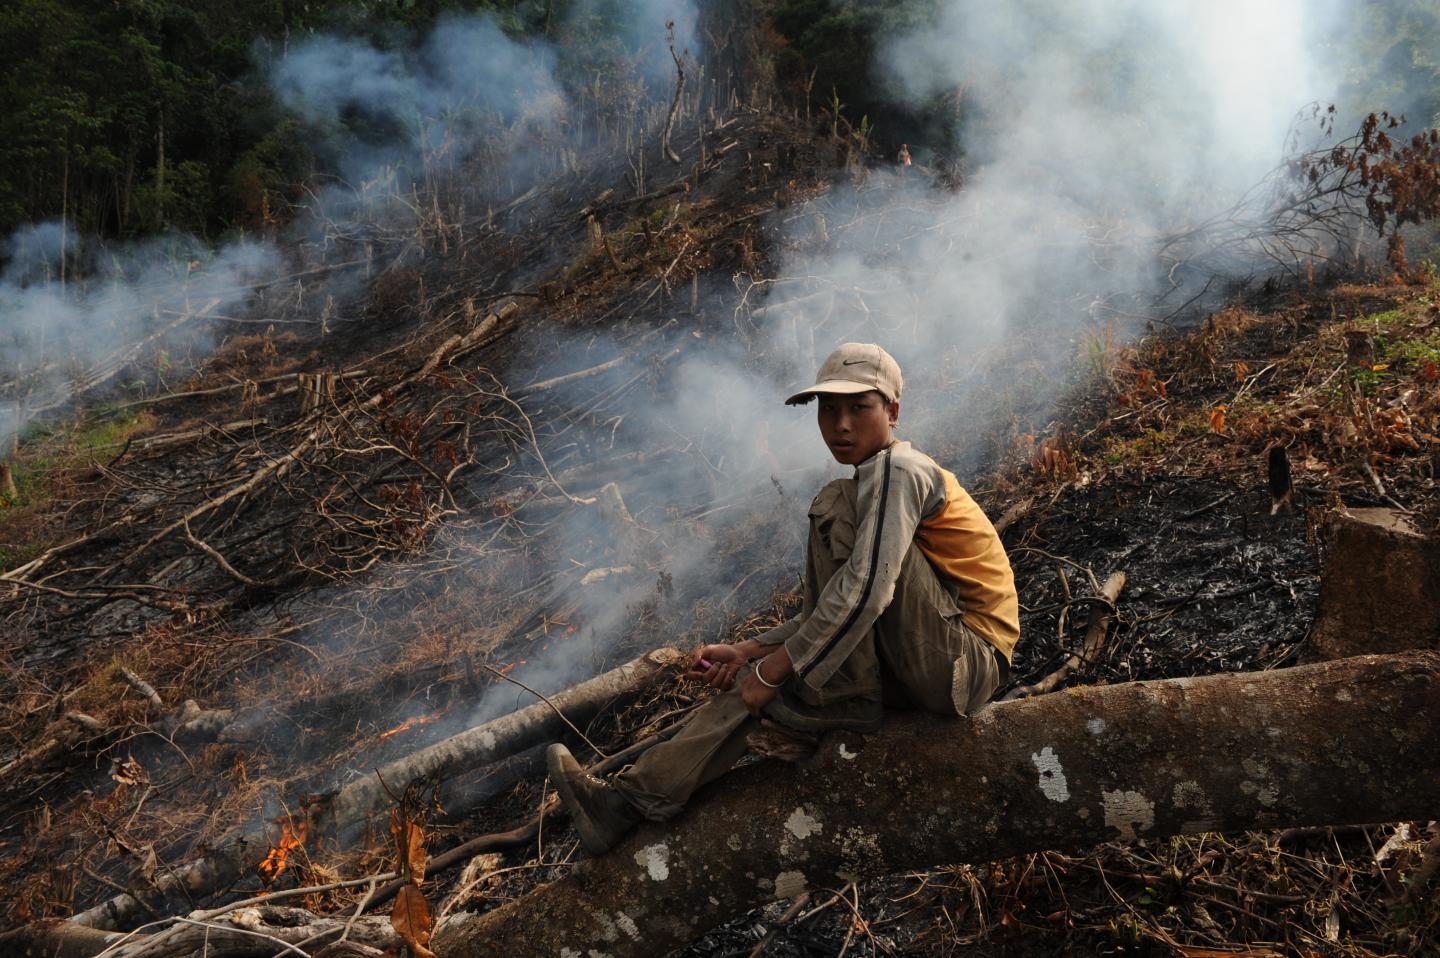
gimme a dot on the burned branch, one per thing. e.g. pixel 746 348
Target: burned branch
pixel 1097 627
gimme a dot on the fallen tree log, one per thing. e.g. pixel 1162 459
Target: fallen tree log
pixel 492 741
pixel 254 932
pixel 1332 743
pixel 348 809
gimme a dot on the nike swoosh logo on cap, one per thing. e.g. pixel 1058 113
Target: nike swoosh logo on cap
pixel 853 362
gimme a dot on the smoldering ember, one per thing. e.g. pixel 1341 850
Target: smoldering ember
pixel 407 548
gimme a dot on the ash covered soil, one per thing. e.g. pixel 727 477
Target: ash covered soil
pixel 445 526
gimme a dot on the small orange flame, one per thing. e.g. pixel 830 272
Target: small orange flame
pixel 415 721
pixel 292 839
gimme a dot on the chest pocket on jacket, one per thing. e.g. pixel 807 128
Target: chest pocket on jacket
pixel 832 515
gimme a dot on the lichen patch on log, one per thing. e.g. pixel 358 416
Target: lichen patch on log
pixel 655 859
pixel 1129 812
pixel 1189 796
pixel 802 825
pixel 1052 776
pixel 791 883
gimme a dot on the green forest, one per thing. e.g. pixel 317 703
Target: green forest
pixel 130 117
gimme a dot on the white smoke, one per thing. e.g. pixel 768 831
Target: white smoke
pixel 375 107
pixel 1126 103
pixel 121 303
pixel 1087 131
pixel 383 111
pixel 1098 126
pixel 380 113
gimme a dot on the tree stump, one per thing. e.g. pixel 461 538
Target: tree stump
pixel 1380 591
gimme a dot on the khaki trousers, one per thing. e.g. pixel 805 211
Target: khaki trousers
pixel 918 655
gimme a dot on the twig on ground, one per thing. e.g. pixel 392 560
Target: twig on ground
pixel 542 697
pixel 785 918
pixel 140 685
pixel 1095 632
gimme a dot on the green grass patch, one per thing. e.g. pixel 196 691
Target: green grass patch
pixel 1120 450
pixel 1391 317
pixel 1410 352
pixel 17 554
pixel 51 451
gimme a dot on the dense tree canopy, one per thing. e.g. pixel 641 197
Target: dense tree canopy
pixel 127 117
pixel 131 116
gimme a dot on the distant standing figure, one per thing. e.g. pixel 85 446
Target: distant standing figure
pixel 903 157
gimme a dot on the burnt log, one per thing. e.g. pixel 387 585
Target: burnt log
pixel 348 809
pixel 1331 743
pixel 497 739
pixel 254 932
pixel 1096 629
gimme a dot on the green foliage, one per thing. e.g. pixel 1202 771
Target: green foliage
pixel 1121 450
pixel 132 116
pixel 51 450
pixel 835 41
pixel 17 554
pixel 1392 60
pixel 1406 352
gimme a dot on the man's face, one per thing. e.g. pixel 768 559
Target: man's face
pixel 856 427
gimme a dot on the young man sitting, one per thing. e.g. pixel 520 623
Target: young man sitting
pixel 909 603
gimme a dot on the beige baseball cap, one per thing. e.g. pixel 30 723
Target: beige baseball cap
pixel 855 368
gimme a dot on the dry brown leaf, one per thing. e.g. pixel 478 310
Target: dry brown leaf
pixel 415 855
pixel 1332 923
pixel 411 920
pixel 1217 419
pixel 409 845
pixel 476 876
pixel 129 772
pixel 148 863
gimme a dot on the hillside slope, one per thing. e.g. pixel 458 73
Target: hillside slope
pixel 531 444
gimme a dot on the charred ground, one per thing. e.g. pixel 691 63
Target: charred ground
pixel 418 486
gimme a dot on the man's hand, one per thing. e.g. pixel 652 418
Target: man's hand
pixel 756 694
pixel 725 662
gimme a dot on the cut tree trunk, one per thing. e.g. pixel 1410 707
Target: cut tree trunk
pixel 1332 743
pixel 349 808
pixel 8 491
pixel 1380 591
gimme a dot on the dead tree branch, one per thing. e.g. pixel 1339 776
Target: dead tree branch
pixel 348 808
pixel 665 146
pixel 1096 629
